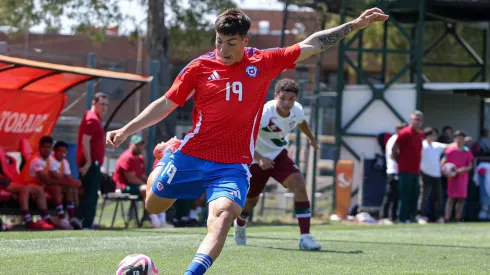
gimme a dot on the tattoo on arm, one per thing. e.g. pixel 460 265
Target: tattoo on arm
pixel 328 38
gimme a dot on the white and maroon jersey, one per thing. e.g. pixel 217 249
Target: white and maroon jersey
pixel 228 101
pixel 274 129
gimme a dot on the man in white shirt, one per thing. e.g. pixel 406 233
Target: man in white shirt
pixel 390 200
pixel 431 175
pixel 279 118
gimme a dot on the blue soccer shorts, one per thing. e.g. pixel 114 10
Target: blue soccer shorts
pixel 187 177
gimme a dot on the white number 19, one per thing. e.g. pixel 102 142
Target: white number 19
pixel 236 87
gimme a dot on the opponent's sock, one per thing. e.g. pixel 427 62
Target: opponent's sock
pixel 199 265
pixel 242 220
pixel 303 214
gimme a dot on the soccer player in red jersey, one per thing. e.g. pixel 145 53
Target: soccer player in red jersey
pixel 229 86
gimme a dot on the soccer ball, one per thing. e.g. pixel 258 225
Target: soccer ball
pixel 449 169
pixel 137 264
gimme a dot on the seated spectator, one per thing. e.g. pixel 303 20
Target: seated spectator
pixel 24 191
pixel 61 170
pixel 129 175
pixel 37 172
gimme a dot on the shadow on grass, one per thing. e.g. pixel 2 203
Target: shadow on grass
pixel 185 232
pixel 318 251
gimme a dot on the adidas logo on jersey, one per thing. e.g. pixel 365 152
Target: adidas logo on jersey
pixel 236 194
pixel 214 76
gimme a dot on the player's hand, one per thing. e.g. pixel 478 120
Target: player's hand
pixel 83 170
pixel 266 163
pixel 368 17
pixel 116 138
pixel 76 183
pixel 467 139
pixel 314 144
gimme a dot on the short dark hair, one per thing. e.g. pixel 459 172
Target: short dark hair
pixel 60 144
pixel 100 95
pixel 400 126
pixel 459 133
pixel 429 131
pixel 232 22
pixel 447 127
pixel 286 85
pixel 46 139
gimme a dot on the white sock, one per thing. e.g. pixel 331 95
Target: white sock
pixel 162 217
pixel 193 214
pixel 155 222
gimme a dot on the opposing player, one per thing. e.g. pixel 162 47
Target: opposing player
pixel 279 117
pixel 229 86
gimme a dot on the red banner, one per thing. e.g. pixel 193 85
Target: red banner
pixel 27 115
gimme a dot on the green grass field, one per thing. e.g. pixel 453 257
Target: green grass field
pixel 347 249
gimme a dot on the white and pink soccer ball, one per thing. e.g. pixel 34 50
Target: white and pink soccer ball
pixel 137 264
pixel 449 169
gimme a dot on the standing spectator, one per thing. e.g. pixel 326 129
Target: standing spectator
pixel 90 157
pixel 457 185
pixel 431 175
pixel 391 196
pixel 446 135
pixel 407 151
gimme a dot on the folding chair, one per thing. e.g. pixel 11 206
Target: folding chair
pixel 107 190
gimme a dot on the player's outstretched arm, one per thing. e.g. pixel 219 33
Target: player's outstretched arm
pixel 153 113
pixel 305 128
pixel 322 40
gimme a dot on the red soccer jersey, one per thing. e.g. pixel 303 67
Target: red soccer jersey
pixel 228 101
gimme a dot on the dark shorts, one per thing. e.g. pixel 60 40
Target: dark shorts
pixel 283 168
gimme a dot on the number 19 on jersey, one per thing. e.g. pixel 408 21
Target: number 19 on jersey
pixel 236 88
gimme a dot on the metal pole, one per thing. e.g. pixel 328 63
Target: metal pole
pixel 139 69
pixel 302 88
pixel 359 57
pixel 385 55
pixel 284 23
pixel 152 133
pixel 486 49
pixel 419 55
pixel 316 115
pixel 91 83
pixel 338 105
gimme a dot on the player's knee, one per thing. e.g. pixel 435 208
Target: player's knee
pixel 225 213
pixel 296 183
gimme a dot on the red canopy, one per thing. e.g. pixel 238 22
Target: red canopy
pixel 41 77
pixel 32 96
